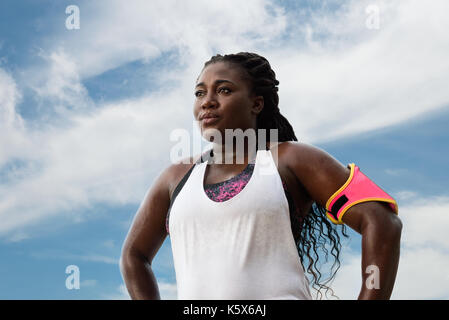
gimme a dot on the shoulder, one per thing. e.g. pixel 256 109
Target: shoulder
pixel 307 157
pixel 176 171
pixel 300 152
pixel 319 172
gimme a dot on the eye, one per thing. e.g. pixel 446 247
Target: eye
pixel 197 93
pixel 224 89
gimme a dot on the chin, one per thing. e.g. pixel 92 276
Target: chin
pixel 213 135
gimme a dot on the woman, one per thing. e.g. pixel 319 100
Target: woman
pixel 239 233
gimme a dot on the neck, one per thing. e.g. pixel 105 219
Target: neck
pixel 230 154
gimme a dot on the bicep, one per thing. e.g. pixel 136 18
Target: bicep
pixel 147 232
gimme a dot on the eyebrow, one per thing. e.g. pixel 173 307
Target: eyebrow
pixel 216 82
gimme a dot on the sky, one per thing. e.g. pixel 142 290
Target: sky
pixel 86 115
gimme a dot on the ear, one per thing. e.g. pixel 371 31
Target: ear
pixel 258 104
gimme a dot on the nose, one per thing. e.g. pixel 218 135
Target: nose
pixel 209 101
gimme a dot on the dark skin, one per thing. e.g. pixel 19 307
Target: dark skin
pixel 310 174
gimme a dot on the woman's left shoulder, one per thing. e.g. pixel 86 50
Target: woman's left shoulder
pixel 318 171
pixel 301 154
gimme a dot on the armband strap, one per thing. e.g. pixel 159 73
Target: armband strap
pixel 358 188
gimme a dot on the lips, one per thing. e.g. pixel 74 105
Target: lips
pixel 210 120
pixel 208 116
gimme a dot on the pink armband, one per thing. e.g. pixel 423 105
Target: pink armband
pixel 358 188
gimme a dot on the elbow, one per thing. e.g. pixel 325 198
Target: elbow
pixel 392 222
pixel 129 258
pixel 383 221
pixel 397 224
pixel 396 228
pixel 124 262
pixel 391 230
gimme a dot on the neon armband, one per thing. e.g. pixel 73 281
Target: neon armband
pixel 357 189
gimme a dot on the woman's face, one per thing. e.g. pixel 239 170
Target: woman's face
pixel 223 93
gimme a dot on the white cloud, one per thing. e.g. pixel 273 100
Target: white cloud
pixel 348 279
pixel 422 274
pixel 18 236
pixel 424 255
pixel 13 139
pixel 103 157
pixel 426 221
pixel 113 32
pixel 120 294
pixel 9 96
pixel 96 258
pixel 405 195
pixel 110 244
pixel 88 283
pixel 60 86
pixel 167 291
pixel 396 172
pixel 75 258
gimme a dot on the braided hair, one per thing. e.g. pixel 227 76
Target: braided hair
pixel 313 231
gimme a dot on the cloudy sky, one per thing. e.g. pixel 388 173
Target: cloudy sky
pixel 86 115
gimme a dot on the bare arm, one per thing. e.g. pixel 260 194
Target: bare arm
pixel 144 239
pixel 380 227
pixel 381 234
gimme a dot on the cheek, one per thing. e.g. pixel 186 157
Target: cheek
pixel 196 109
pixel 235 108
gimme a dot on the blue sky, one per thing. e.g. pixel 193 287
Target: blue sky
pixel 85 119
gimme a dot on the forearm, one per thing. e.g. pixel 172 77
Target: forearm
pixel 380 258
pixel 139 278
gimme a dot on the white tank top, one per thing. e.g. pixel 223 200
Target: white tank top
pixel 242 248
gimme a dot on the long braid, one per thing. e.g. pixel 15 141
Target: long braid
pixel 312 232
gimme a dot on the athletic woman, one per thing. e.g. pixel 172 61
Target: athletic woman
pixel 241 231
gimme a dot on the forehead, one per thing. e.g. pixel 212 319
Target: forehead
pixel 221 70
